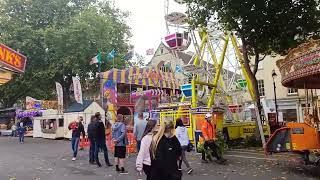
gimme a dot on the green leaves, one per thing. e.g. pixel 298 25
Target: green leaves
pixel 266 26
pixel 59 37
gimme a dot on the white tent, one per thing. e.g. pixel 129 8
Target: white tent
pixel 86 110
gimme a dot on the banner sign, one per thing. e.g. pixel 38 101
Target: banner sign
pixel 12 59
pixel 77 90
pixel 59 95
pixel 32 103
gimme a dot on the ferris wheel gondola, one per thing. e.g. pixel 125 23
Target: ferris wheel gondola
pixel 179 39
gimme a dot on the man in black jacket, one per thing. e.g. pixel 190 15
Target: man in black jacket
pixel 91 131
pixel 77 128
pixel 100 139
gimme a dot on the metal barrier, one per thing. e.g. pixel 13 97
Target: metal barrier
pixel 185 116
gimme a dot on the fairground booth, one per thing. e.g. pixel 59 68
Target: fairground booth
pixel 136 90
pixel 37 108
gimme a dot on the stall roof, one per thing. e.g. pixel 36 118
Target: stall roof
pixel 76 107
pixel 147 76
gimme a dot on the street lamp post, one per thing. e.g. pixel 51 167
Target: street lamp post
pixel 275 95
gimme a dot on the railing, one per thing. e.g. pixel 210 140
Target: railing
pixel 124 98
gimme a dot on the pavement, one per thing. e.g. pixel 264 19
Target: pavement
pixel 41 159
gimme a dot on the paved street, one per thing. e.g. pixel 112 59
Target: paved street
pixel 40 159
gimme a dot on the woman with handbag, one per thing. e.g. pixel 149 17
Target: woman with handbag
pixel 183 137
pixel 165 151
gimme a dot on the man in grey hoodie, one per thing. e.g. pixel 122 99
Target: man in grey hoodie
pixel 119 137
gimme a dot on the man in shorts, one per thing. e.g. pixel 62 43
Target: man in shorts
pixel 119 137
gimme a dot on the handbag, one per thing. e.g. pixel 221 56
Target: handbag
pixel 190 147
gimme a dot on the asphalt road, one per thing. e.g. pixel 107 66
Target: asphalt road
pixel 40 159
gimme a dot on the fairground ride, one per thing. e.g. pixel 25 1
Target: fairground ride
pixel 300 69
pixel 216 73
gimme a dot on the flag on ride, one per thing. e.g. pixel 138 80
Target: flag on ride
pixel 96 59
pixel 59 95
pixel 129 55
pixel 112 54
pixel 150 51
pixel 77 90
pixel 178 68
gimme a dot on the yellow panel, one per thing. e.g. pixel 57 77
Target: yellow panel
pixel 137 73
pixel 130 75
pixel 123 76
pixel 173 115
pixel 115 73
pixel 144 81
pixel 106 74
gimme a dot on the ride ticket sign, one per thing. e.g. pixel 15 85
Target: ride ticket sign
pixel 12 59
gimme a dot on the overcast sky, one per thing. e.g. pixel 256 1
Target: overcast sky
pixel 147 22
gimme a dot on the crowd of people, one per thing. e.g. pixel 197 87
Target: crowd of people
pixel 161 147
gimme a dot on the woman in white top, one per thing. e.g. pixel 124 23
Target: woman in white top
pixel 143 162
pixel 182 135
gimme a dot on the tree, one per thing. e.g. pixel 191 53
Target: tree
pixel 264 27
pixel 59 37
pixel 138 60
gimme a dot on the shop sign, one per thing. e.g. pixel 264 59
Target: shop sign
pixel 170 105
pixel 201 110
pixel 12 59
pixel 153 75
pixel 32 103
pixel 251 130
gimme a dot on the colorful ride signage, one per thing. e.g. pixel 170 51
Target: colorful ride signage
pixel 12 59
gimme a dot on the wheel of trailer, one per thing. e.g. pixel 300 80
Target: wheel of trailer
pixel 225 135
pixel 318 162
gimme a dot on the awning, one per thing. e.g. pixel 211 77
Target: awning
pixel 5 76
pixel 148 76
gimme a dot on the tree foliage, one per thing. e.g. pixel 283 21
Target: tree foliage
pixel 264 26
pixel 137 60
pixel 59 37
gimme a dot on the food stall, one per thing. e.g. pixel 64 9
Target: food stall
pixel 49 125
pixel 7 119
pixel 26 117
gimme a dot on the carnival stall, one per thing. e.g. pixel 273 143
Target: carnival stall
pixel 301 69
pixel 49 125
pixel 34 108
pixel 7 119
pixel 127 87
pixel 26 117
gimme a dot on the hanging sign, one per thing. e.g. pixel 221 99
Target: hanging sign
pixel 242 83
pixel 12 59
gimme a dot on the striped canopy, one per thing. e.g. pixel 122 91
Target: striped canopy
pixel 148 76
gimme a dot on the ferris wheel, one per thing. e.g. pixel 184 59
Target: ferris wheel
pixel 217 58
